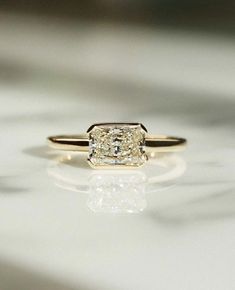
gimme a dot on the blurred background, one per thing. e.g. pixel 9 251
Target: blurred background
pixel 214 15
pixel 186 45
pixel 119 51
pixel 67 64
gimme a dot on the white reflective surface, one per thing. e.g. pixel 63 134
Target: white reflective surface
pixel 116 191
pixel 63 226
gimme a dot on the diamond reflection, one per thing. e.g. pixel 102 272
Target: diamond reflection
pixel 116 191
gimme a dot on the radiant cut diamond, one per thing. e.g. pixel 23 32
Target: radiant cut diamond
pixel 117 144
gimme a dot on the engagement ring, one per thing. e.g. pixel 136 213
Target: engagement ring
pixel 117 145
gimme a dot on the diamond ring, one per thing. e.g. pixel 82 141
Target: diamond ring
pixel 117 145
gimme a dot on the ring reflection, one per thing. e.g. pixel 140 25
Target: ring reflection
pixel 116 191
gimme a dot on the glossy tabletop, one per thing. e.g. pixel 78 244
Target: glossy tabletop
pixel 169 225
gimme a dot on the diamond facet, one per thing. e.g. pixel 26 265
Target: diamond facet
pixel 117 144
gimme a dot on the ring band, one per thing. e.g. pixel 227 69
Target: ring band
pixel 117 144
pixel 153 143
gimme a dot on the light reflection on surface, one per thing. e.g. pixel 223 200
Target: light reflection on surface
pixel 116 191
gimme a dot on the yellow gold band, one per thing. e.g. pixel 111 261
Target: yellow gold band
pixel 117 145
pixel 153 143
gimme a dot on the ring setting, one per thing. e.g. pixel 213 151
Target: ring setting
pixel 117 145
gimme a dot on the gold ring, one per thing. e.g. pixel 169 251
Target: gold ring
pixel 117 145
